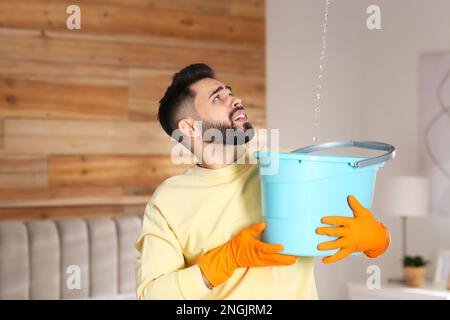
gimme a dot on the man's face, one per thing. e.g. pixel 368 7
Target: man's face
pixel 219 109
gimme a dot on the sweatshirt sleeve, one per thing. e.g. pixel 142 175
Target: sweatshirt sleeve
pixel 161 272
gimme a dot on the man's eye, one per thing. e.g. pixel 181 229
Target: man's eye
pixel 215 98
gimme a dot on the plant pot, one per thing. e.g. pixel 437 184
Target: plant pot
pixel 414 276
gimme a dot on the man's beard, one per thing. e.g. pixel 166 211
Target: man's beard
pixel 227 134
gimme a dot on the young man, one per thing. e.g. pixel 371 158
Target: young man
pixel 200 230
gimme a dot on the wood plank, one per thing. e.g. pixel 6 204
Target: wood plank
pixel 142 109
pixel 85 137
pixel 110 19
pixel 71 202
pixel 106 51
pixel 88 171
pixel 81 212
pixel 39 99
pixel 62 202
pixel 248 8
pixel 153 40
pixel 64 72
pixel 146 88
pixel 2 134
pixel 73 196
pixel 148 84
pixel 51 193
pixel 221 7
pixel 23 172
pixel 70 193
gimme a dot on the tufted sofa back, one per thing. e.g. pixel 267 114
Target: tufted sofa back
pixel 68 259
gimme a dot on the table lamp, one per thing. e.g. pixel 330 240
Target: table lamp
pixel 406 197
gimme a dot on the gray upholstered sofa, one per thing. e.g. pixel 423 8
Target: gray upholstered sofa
pixel 69 259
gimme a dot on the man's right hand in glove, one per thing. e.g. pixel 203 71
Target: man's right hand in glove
pixel 243 251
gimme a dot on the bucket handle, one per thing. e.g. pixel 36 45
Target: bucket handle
pixel 359 144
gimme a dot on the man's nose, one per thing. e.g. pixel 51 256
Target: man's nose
pixel 236 102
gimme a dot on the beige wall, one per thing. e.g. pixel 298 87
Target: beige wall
pixel 293 49
pixel 391 102
pixel 370 92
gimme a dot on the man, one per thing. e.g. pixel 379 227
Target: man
pixel 200 229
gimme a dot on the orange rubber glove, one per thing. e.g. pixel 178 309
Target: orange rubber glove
pixel 360 233
pixel 242 251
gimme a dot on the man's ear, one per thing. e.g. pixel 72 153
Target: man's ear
pixel 187 127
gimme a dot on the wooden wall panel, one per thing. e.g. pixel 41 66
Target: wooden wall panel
pixel 220 7
pixel 22 172
pixel 50 193
pixel 82 196
pixel 68 202
pixel 85 137
pixel 89 171
pixel 2 134
pixel 110 19
pixel 104 51
pixel 240 8
pixel 75 202
pixel 41 99
pixel 71 73
pixel 78 130
pixel 248 8
pixel 68 212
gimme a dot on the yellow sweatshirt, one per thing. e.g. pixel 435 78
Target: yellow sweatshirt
pixel 196 211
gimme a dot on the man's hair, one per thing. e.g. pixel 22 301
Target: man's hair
pixel 179 95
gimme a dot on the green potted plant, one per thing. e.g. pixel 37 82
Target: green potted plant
pixel 414 270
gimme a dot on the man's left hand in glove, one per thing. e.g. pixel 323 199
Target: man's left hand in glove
pixel 361 233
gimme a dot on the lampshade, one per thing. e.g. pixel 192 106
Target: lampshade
pixel 406 196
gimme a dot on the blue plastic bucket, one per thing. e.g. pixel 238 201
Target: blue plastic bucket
pixel 298 189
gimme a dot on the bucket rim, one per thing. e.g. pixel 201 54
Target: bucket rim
pixel 309 157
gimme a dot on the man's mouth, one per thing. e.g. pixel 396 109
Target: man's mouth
pixel 240 116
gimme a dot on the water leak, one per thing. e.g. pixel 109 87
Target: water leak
pixel 318 95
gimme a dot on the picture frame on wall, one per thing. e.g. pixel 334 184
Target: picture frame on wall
pixel 442 274
pixel 434 92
